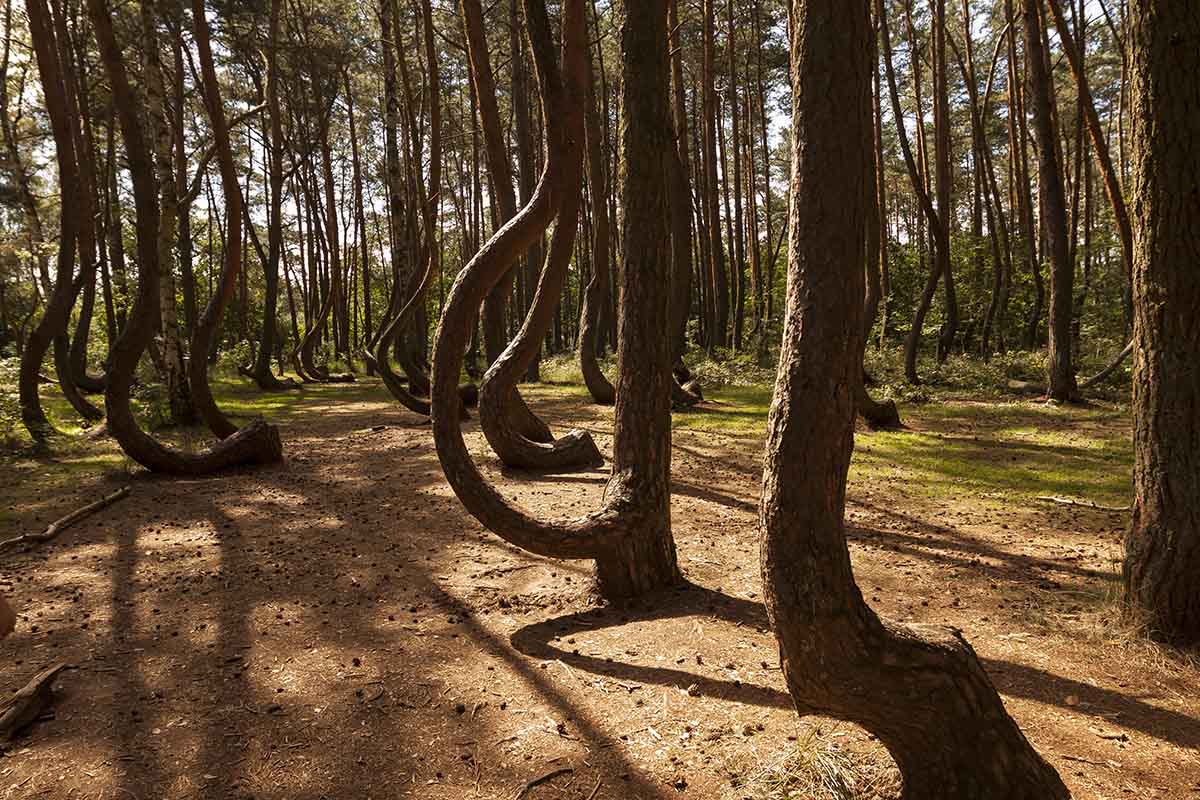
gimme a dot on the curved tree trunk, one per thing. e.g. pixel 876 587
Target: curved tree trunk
pixel 559 191
pixel 55 316
pixel 206 326
pixel 597 295
pixel 77 109
pixel 257 442
pixel 630 535
pixel 921 690
pixel 523 420
pixel 877 415
pixel 1162 545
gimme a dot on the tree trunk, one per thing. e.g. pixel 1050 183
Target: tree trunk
pixel 1162 545
pixel 52 327
pixel 179 396
pixel 921 690
pixel 523 420
pixel 941 124
pixel 940 232
pixel 1060 371
pixel 263 375
pixel 630 535
pixel 596 296
pixel 718 277
pixel 564 100
pixel 257 442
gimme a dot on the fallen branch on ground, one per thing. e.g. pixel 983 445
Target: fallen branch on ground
pixel 1067 501
pixel 549 776
pixel 29 702
pixel 60 525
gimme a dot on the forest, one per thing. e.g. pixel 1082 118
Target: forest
pixel 600 399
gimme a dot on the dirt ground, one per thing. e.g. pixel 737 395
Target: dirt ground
pixel 338 627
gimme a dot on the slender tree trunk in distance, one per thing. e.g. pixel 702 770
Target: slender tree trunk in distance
pixel 942 123
pixel 1060 371
pixel 1162 545
pixel 263 375
pixel 941 233
pixel 920 689
pixel 179 395
pixel 596 296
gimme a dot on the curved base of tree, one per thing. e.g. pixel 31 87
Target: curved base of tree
pixel 256 443
pixel 598 384
pixel 920 689
pixel 66 382
pixel 574 450
pixel 878 416
pixel 273 384
pixel 467 392
pixel 686 395
pixel 89 384
pixel 923 692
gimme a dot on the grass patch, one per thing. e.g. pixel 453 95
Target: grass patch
pixel 814 768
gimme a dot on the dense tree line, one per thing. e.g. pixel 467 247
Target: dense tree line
pixel 442 193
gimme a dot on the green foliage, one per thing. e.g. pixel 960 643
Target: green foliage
pixel 726 368
pixel 10 409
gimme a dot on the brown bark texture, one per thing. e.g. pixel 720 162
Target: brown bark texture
pixel 1162 545
pixel 629 536
pixel 921 690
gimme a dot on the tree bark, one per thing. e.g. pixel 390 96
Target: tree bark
pixel 523 420
pixel 596 296
pixel 940 232
pixel 1162 545
pixel 257 442
pixel 268 334
pixel 921 690
pixel 1060 371
pixel 55 316
pixel 564 100
pixel 179 397
pixel 630 535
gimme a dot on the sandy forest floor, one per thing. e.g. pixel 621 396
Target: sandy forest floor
pixel 338 627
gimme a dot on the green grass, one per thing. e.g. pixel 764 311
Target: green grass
pixel 1001 449
pixel 730 410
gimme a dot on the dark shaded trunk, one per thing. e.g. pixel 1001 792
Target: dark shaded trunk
pixel 51 328
pixel 1059 369
pixel 1162 545
pixel 920 689
pixel 596 296
pixel 263 375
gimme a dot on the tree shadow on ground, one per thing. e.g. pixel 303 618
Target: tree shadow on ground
pixel 542 640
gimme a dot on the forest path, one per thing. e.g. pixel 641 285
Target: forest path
pixel 337 626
